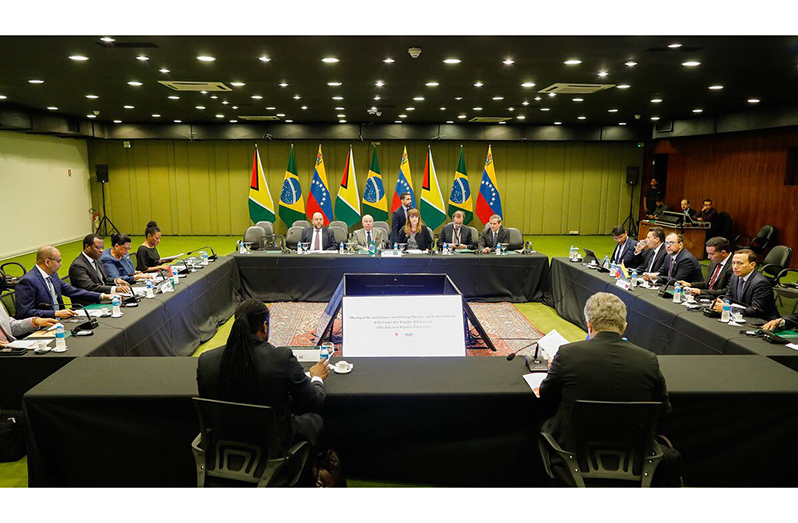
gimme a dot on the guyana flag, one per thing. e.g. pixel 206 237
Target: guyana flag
pixel 374 201
pixel 347 205
pixel 261 205
pixel 460 199
pixel 432 212
pixel 292 205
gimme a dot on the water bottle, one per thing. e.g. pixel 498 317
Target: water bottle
pixel 150 292
pixel 341 248
pixel 60 337
pixel 204 258
pixel 241 248
pixel 445 249
pixel 633 282
pixel 606 263
pixel 725 316
pixel 117 309
pixel 324 353
pixel 395 248
pixel 613 270
pixel 677 293
pixel 174 272
pixel 572 253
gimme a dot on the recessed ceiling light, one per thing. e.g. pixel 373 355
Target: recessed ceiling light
pixel 612 110
pixel 214 97
pixel 379 83
pixel 91 116
pixel 654 118
pixel 281 115
pixel 130 107
pixel 458 98
pixel 675 46
pixel 691 64
pixel 341 121
pixel 142 58
pixel 283 84
pixel 624 86
pixel 698 110
pixel 389 60
pixel 526 103
pixel 753 100
pixel 397 121
pixel 265 59
pixel 715 87
pixel 334 84
pixel 582 117
pixel 432 84
pixel 117 121
pixel 237 84
pixel 402 116
pixel 270 108
pixel 410 108
pixel 630 64
pixel 502 123
pixel 256 97
pixel 621 123
pixel 225 102
pixel 578 99
pixel 557 123
pixel 304 107
pixel 297 97
pixel 341 115
pixel 206 58
pixel 233 121
pixel 511 109
pixel 527 84
pixel 78 58
pixel 449 121
pixel 108 39
pixel 442 108
pixel 178 121
pixel 419 98
pixel 51 107
pixel 520 117
pixel 478 84
pixel 219 116
pixel 656 101
pixel 497 98
pixel 330 60
pixel 35 81
pixel 603 73
pixel 452 61
pixel 477 108
pixel 291 121
pixel 235 107
pixel 378 98
pixel 201 107
pixel 461 116
pixel 174 97
pixel 164 70
pixel 135 84
pixel 545 109
pixel 337 97
pixel 203 92
pixel 373 108
pixel 156 116
pixel 572 62
pixel 538 98
pixel 509 61
pixel 92 96
pixel 339 109
pixel 552 95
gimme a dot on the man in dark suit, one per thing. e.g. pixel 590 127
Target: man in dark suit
pixel 86 271
pixel 686 209
pixel 319 236
pixel 625 249
pixel 720 270
pixel 679 265
pixel 455 234
pixel 493 235
pixel 603 368
pixel 41 287
pixel 748 287
pixel 399 217
pixel 650 252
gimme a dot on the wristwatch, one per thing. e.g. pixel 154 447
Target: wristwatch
pixel 782 323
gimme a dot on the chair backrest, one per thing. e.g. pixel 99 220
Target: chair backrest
pixel 292 236
pixel 474 235
pixel 339 223
pixel 777 260
pixel 384 226
pixel 763 238
pixel 339 232
pixel 301 223
pixel 9 302
pixel 723 226
pixel 516 239
pixel 268 227
pixel 254 234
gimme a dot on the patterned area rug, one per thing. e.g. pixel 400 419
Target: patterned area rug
pixel 295 324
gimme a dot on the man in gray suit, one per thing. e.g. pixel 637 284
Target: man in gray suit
pixel 368 234
pixel 11 328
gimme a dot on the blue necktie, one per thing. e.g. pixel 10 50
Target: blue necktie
pixel 53 295
pixel 740 285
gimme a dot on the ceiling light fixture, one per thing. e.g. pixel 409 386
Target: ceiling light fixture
pixel 78 58
pixel 520 117
pixel 330 60
pixel 538 98
pixel 256 97
pixel 334 84
pixel 458 98
pixel 624 86
pixel 233 121
pixel 509 61
pixel 656 101
pixel 753 100
pixel 477 108
pixel 142 58
pixel 341 121
pixel 654 118
pixel 92 96
pixel 461 116
pixel 341 115
pixel 419 98
pixel 715 87
pixel 270 108
pixel 582 117
pixel 552 95
pixel 130 107
pixel 297 97
pixel 135 84
pixel 410 108
pixel 117 121
pixel 442 108
pixel 389 60
pixel 283 84
pixel 174 97
pixel 379 83
pixel 200 107
pixel 108 39
pixel 578 99
pixel 237 84
pixel 557 123
pixel 449 121
pixel 478 84
pixel 281 115
pixel 432 84
pixel 511 109
pixel 497 98
pixel 692 63
pixel 156 116
pixel 35 81
pixel 337 97
pixel 698 110
pixel 219 116
pixel 452 61
pixel 502 123
pixel 603 73
pixel 545 109
pixel 378 98
pixel 528 84
pixel 612 110
pixel 51 107
pixel 630 64
pixel 265 59
pixel 178 121
pixel 402 116
pixel 526 103
pixel 91 116
pixel 225 102
pixel 621 123
pixel 340 109
pixel 572 62
pixel 164 70
pixel 304 107
pixel 206 58
pixel 675 46
pixel 289 121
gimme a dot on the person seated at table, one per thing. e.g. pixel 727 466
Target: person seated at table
pixel 495 234
pixel 455 234
pixel 11 328
pixel 147 257
pixel 650 252
pixel 660 208
pixel 707 212
pixel 368 234
pixel 414 233
pixel 603 368
pixel 86 271
pixel 625 249
pixel 117 263
pixel 686 209
pixel 720 270
pixel 248 369
pixel 750 288
pixel 679 265
pixel 399 217
pixel 788 322
pixel 320 237
pixel 40 291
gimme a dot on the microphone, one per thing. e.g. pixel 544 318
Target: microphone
pixel 511 356
pixel 536 364
pixel 665 288
pixel 212 257
pixel 84 329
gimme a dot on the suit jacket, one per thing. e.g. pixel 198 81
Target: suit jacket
pixel 12 327
pixel 397 223
pixel 708 215
pixel 486 238
pixel 721 283
pixel 690 211
pixel 424 240
pixel 645 257
pixel 687 268
pixel 757 295
pixel 791 322
pixel 32 293
pixel 447 236
pixel 378 235
pixel 118 268
pixel 628 257
pixel 83 276
pixel 605 368
pixel 327 238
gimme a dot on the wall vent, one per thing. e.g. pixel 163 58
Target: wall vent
pixel 567 88
pixel 490 119
pixel 195 86
pixel 260 118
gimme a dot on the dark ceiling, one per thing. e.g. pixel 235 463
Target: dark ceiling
pixel 764 68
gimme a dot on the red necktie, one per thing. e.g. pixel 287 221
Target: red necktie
pixel 316 246
pixel 715 274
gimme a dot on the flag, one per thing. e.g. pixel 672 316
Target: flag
pixel 347 205
pixel 374 201
pixel 432 213
pixel 489 201
pixel 261 205
pixel 460 199
pixel 292 205
pixel 403 184
pixel 319 198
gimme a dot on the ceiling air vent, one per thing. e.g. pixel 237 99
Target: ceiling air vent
pixel 260 118
pixel 564 88
pixel 664 127
pixel 490 119
pixel 195 86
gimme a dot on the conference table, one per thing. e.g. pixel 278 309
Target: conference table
pixel 171 324
pixel 274 276
pixel 655 322
pixel 104 422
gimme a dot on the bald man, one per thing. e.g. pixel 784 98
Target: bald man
pixel 319 236
pixel 40 292
pixel 368 234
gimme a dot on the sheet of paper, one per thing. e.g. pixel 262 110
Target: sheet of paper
pixel 793 346
pixel 551 343
pixel 22 344
pixel 534 379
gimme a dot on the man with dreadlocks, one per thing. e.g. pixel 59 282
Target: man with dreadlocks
pixel 248 369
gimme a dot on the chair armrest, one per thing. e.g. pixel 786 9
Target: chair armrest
pixel 770 269
pixel 783 273
pixel 199 459
pixel 568 456
pixel 737 240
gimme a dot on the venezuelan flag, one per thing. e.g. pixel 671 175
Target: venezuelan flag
pixel 292 205
pixel 347 204
pixel 489 201
pixel 403 184
pixel 460 198
pixel 374 201
pixel 261 205
pixel 320 199
pixel 432 212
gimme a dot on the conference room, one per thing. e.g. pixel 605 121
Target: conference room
pixel 452 244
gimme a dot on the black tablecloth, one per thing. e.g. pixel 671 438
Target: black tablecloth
pixel 656 323
pixel 465 421
pixel 172 324
pixel 314 277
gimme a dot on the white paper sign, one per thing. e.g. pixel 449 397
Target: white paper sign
pixel 551 343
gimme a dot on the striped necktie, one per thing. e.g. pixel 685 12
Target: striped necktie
pixel 53 295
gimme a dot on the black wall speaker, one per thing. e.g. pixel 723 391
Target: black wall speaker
pixel 102 172
pixel 632 175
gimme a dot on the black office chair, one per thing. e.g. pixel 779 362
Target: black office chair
pixel 777 259
pixel 787 290
pixel 759 243
pixel 9 281
pixel 293 236
pixel 9 301
pixel 614 443
pixel 246 445
pixel 516 239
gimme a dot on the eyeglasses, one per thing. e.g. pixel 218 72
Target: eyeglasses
pixel 55 259
pixel 671 243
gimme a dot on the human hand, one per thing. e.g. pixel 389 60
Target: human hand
pixel 320 369
pixel 683 283
pixel 695 292
pixel 123 287
pixel 486 250
pixel 66 313
pixel 772 325
pixel 44 322
pixel 717 306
